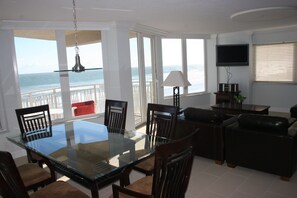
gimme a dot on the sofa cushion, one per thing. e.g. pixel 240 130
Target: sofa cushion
pixel 203 115
pixel 264 122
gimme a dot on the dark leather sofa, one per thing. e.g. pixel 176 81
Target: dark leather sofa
pixel 211 124
pixel 293 111
pixel 262 142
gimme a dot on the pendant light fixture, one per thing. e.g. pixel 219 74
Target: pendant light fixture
pixel 78 66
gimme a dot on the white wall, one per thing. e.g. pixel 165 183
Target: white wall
pixel 117 68
pixel 279 96
pixel 240 74
pixel 9 90
pixel 211 69
pixel 198 101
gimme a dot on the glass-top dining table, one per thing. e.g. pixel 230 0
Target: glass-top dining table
pixel 89 153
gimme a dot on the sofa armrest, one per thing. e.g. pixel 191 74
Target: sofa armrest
pixel 293 111
pixel 258 149
pixel 292 131
pixel 204 115
pixel 230 120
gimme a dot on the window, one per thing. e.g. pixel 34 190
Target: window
pixel 172 60
pixel 135 78
pixel 190 61
pixel 38 83
pixel 2 117
pixel 37 58
pixel 88 85
pixel 148 69
pixel 142 75
pixel 195 61
pixel 276 63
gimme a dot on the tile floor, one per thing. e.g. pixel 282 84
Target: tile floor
pixel 209 180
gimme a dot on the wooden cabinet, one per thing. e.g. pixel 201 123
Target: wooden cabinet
pixel 227 97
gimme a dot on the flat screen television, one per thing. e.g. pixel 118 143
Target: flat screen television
pixel 232 55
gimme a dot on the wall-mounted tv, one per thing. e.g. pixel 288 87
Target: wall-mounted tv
pixel 232 55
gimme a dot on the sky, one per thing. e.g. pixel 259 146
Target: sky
pixel 39 56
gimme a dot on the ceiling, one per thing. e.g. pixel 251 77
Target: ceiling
pixel 172 16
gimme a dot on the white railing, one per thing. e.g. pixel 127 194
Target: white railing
pixel 53 97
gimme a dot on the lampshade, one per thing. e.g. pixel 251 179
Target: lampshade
pixel 176 79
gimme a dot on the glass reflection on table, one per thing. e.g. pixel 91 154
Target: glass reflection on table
pixel 89 152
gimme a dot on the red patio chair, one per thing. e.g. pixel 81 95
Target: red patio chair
pixel 84 108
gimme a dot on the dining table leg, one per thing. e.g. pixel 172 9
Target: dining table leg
pixel 95 191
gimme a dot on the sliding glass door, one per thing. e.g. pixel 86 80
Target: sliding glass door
pixel 142 75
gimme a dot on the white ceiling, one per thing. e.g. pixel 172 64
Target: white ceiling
pixel 173 16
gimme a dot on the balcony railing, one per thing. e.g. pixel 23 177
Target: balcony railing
pixel 53 98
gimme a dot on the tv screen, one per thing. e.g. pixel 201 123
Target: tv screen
pixel 232 55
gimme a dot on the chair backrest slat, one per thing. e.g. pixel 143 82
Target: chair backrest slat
pixel 173 165
pixel 33 118
pixel 115 114
pixel 161 120
pixel 11 183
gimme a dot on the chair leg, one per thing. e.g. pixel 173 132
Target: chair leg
pixel 40 164
pixel 125 177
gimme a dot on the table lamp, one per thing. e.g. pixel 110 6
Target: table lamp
pixel 176 79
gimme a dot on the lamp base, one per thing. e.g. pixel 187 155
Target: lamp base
pixel 176 96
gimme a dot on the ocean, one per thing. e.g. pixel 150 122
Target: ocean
pixel 45 81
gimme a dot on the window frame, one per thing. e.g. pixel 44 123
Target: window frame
pixel 60 40
pixel 185 64
pixel 2 114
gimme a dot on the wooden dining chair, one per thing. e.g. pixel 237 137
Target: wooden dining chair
pixel 161 122
pixel 33 119
pixel 115 114
pixel 33 175
pixel 12 184
pixel 173 165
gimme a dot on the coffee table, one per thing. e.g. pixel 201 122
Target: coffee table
pixel 234 108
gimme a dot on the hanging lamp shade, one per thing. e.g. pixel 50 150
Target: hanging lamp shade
pixel 78 67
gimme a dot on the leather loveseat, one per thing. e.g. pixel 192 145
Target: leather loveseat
pixel 211 124
pixel 262 142
pixel 293 111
